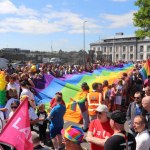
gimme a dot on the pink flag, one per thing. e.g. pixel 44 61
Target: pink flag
pixel 17 131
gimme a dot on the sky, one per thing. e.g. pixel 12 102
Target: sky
pixel 47 25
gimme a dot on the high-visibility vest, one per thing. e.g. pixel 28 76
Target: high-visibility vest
pixel 94 100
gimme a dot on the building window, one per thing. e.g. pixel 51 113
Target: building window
pixel 117 56
pixel 110 57
pixel 124 48
pixel 141 57
pixel 141 48
pixel 131 56
pixel 94 48
pixel 98 49
pixel 124 56
pixel 110 49
pixel 131 49
pixel 117 49
pixel 104 49
pixel 148 48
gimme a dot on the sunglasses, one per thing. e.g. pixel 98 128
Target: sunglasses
pixel 99 113
pixel 14 107
pixel 137 97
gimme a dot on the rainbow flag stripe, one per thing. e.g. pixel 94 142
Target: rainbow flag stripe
pixel 2 89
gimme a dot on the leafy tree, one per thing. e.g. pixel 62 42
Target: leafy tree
pixel 142 18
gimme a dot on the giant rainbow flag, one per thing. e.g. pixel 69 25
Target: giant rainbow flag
pixel 70 86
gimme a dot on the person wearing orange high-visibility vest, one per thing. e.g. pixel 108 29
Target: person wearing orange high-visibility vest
pixel 94 99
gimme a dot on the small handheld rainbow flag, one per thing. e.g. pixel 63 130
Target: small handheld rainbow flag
pixel 145 71
pixel 72 105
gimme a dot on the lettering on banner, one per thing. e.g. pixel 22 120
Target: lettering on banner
pixel 26 130
pixel 17 121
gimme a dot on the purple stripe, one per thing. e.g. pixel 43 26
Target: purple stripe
pixel 43 83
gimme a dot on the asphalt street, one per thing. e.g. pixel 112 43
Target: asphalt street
pixel 85 144
pixel 48 143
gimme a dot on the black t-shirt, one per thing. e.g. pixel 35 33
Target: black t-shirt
pixel 39 147
pixel 118 142
pixel 42 114
pixel 139 79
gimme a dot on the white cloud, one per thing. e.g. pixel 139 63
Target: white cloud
pixel 23 11
pixel 45 21
pixel 118 21
pixel 7 7
pixel 33 26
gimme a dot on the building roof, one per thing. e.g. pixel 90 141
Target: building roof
pixel 119 37
pixel 113 37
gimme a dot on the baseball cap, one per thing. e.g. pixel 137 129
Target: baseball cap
pixel 73 133
pixel 102 108
pixel 118 117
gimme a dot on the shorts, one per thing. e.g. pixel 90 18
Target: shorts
pixel 118 100
pixel 54 131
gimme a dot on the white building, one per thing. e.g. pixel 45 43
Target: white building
pixel 120 47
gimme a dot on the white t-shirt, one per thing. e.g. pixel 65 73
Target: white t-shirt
pixel 28 93
pixel 14 86
pixel 10 115
pixel 2 120
pixel 8 104
pixel 30 96
pixel 120 89
pixel 143 141
pixel 32 114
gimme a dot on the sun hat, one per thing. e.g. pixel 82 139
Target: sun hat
pixel 73 133
pixel 102 108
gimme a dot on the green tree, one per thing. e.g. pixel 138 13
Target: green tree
pixel 142 18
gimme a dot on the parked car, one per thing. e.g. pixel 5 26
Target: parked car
pixel 55 60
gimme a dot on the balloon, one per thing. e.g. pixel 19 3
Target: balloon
pixel 33 68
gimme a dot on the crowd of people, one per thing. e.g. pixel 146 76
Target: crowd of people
pixel 109 107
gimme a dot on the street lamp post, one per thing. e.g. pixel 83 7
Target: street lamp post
pixel 84 39
pixel 114 58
